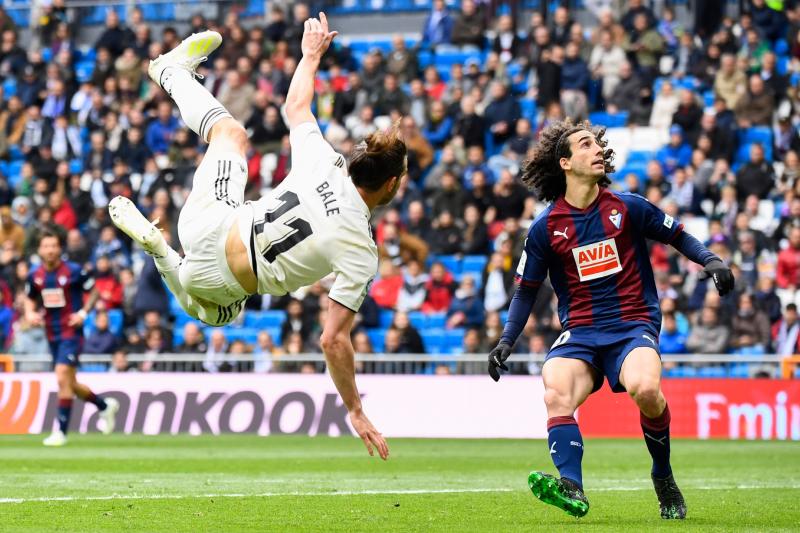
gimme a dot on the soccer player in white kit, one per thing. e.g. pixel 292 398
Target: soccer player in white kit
pixel 314 223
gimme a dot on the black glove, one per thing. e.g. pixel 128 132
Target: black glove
pixel 497 359
pixel 722 276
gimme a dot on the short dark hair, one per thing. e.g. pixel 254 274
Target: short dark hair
pixel 377 159
pixel 791 307
pixel 543 173
pixel 50 231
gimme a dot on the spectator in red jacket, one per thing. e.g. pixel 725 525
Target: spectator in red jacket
pixel 63 213
pixel 108 286
pixel 788 271
pixel 386 289
pixel 439 289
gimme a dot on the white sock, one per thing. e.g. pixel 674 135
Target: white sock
pixel 199 109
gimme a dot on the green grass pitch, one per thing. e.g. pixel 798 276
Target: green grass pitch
pixel 246 483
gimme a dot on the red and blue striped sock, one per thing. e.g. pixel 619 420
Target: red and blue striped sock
pixel 656 436
pixel 566 447
pixel 64 410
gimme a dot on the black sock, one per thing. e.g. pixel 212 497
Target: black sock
pixel 64 410
pixel 656 436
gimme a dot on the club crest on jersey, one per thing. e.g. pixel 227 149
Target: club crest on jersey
pixel 597 260
pixel 616 218
pixel 62 280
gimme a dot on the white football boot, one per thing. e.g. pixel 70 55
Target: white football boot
pixel 127 217
pixel 108 415
pixel 188 55
pixel 56 438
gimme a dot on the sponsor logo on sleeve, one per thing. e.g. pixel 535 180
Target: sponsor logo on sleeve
pixel 668 221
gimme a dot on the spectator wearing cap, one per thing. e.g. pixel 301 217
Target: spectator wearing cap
pixel 469 26
pixel 756 176
pixel 756 107
pixel 438 26
pixel 676 154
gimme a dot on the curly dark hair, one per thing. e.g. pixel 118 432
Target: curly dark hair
pixel 543 173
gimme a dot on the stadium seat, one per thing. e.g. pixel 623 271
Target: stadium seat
pixel 474 264
pixel 94 367
pixel 433 339
pixel 454 338
pixel 451 262
pixel 9 88
pixel 418 319
pixel 377 337
pixel 712 372
pixel 527 107
pixel 436 320
pixel 609 120
pixel 264 319
pixel 756 134
pixel 781 47
pixel 385 318
pixel 739 370
pixel 75 166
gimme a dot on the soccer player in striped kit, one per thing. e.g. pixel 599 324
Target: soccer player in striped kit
pixel 592 243
pixel 55 291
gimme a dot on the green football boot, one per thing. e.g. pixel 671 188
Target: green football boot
pixel 563 493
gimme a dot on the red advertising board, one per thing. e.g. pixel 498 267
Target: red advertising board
pixel 704 408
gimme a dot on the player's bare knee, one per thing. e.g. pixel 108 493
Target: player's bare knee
pixel 558 401
pixel 645 392
pixel 228 131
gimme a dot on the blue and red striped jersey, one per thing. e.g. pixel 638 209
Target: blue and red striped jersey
pixel 60 293
pixel 597 258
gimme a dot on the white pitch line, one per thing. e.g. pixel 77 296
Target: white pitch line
pixel 244 495
pixel 356 493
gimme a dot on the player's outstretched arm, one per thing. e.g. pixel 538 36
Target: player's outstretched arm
pixel 714 268
pixel 316 40
pixel 341 364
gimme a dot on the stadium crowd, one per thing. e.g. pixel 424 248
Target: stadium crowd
pixel 71 139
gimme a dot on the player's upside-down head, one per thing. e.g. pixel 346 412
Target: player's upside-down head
pixel 379 163
pixel 566 148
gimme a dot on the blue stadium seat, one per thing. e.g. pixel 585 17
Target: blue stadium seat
pixel 436 320
pixel 739 370
pixel 9 87
pixel 433 339
pixel 474 264
pixel 115 321
pixel 640 156
pixel 527 107
pixel 250 335
pixel 14 172
pixel 94 367
pixel 756 134
pixel 712 372
pixel 609 120
pixel 418 319
pixel 377 337
pixel 385 318
pixel 454 338
pixel 264 319
pixel 451 262
pixel 781 47
pixel 84 71
pixel 75 166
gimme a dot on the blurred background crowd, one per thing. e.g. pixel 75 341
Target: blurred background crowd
pixel 703 114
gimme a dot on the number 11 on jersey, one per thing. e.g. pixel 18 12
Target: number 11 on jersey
pixel 299 228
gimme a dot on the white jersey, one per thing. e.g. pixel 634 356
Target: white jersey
pixel 312 224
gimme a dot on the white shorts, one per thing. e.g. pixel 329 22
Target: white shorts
pixel 203 227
